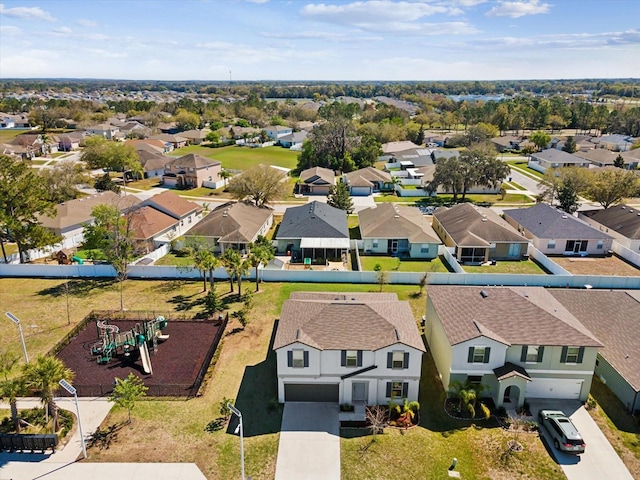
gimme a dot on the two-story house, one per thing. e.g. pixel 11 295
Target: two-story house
pixel 357 348
pixel 519 342
pixel 192 171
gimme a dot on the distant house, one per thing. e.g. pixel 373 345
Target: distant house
pixel 391 148
pixel 553 158
pixel 366 181
pixel 6 121
pixel 622 222
pixel 520 342
pixel 293 140
pixel 176 141
pixel 186 212
pixel 601 157
pixel 316 181
pixel 478 234
pixel 70 141
pixel 354 348
pixel 103 130
pixel 389 229
pixel 134 129
pixel 615 142
pixel 275 132
pixel 507 143
pixel 555 232
pixel 613 317
pixel 233 225
pixel 195 137
pixel 151 145
pixel 192 171
pixel 314 231
pixel 152 163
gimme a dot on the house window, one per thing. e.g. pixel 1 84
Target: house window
pixel 572 354
pixel 297 358
pixel 398 360
pixel 375 243
pixel 474 379
pixel 600 244
pixel 479 354
pixel 551 244
pixel 397 389
pixel 532 353
pixel 424 248
pixel 351 358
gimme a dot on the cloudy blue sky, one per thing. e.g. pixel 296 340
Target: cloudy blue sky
pixel 322 40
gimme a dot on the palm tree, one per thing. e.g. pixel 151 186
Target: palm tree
pixel 11 390
pixel 43 374
pixel 260 253
pixel 200 261
pixel 236 267
pixel 467 394
pixel 225 175
pixel 210 264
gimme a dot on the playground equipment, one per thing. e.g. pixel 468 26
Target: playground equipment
pixel 63 258
pixel 113 342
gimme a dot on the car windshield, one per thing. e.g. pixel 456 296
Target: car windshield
pixel 575 442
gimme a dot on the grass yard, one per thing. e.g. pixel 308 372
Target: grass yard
pixel 390 264
pixel 426 451
pixel 494 199
pixel 174 259
pixel 7 136
pixel 618 426
pixel 612 265
pixel 243 158
pixel 522 167
pixel 522 267
pixel 145 184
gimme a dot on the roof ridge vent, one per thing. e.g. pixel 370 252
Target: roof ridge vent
pixel 297 334
pixel 484 293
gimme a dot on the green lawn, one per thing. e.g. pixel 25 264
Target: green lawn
pixel 177 260
pixel 518 267
pixel 7 136
pixel 145 184
pixel 524 169
pixel 494 199
pixel 392 264
pixel 243 158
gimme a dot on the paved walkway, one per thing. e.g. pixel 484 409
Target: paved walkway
pixel 309 442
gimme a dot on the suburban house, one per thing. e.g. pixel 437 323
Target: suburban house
pixel 316 181
pixel 355 348
pixel 616 142
pixel 195 137
pixel 601 157
pixel 150 227
pixel 555 232
pixel 389 229
pixel 152 163
pixel 613 317
pixel 103 130
pixel 176 141
pixel 293 140
pixel 478 234
pixel 620 221
pixel 519 342
pixel 553 158
pixel 150 145
pixel 275 132
pixel 313 233
pixel 132 129
pixel 70 141
pixel 508 143
pixel 233 225
pixel 185 212
pixel 391 148
pixel 70 216
pixel 192 171
pixel 366 181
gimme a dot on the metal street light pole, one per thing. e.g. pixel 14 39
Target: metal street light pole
pixel 239 414
pixel 71 389
pixel 15 320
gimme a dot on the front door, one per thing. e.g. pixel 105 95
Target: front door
pixel 359 392
pixel 394 246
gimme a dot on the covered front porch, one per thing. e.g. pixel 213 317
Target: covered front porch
pixel 512 384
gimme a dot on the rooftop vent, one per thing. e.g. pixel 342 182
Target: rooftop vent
pixel 484 219
pixel 297 334
pixel 397 335
pixel 564 216
pixel 484 293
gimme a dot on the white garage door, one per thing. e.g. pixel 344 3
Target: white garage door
pixel 554 388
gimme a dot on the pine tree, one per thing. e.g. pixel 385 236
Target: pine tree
pixel 339 197
pixel 618 162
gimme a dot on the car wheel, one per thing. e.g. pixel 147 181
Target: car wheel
pixel 557 444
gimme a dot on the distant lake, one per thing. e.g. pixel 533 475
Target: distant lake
pixel 485 98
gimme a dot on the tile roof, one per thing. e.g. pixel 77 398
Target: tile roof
pixel 387 220
pixel 233 222
pixel 473 226
pixel 544 221
pixel 313 220
pixel 517 315
pixel 614 317
pixel 366 323
pixel 318 176
pixel 193 160
pixel 147 222
pixel 173 204
pixel 621 219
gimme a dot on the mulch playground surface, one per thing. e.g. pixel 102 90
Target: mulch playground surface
pixel 175 365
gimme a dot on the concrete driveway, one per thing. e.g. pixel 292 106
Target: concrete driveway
pixel 309 442
pixel 599 459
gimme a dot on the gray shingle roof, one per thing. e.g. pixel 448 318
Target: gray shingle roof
pixel 367 175
pixel 392 221
pixel 614 317
pixel 193 160
pixel 367 323
pixel 515 315
pixel 557 156
pixel 318 176
pixel 233 222
pixel 544 221
pixel 621 219
pixel 313 220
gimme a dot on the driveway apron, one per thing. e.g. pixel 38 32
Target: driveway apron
pixel 309 442
pixel 599 461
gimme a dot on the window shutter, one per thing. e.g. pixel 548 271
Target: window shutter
pixel 580 354
pixel 487 352
pixel 405 389
pixel 389 360
pixel 540 353
pixel 359 361
pixel 289 358
pixel 306 358
pixel 470 357
pixel 405 363
pixel 563 355
pixel 388 389
pixel 343 358
pixel 523 355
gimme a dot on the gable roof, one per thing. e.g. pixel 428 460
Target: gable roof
pixel 553 155
pixel 314 220
pixel 151 160
pixel 318 176
pixel 365 177
pixel 621 219
pixel 516 315
pixel 544 221
pixel 473 226
pixel 194 134
pixel 172 204
pixel 169 138
pixel 192 160
pixel 392 221
pixel 393 147
pixel 614 316
pixel 365 323
pixel 233 222
pixel 598 155
pixel 147 222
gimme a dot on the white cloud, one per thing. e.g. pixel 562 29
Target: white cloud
pixel 373 11
pixel 518 9
pixel 256 1
pixel 566 41
pixel 26 13
pixel 63 30
pixel 85 22
pixel 105 53
pixel 469 3
pixel 9 30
